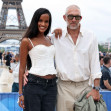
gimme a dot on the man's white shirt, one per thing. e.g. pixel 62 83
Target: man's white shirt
pixel 77 62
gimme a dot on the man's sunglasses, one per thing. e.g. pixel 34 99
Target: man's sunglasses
pixel 77 17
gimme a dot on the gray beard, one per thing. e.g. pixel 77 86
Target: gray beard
pixel 73 27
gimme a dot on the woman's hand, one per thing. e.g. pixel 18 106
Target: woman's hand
pixel 21 101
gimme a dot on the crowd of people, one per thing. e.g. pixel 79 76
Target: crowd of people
pixel 105 64
pixel 11 62
pixel 6 57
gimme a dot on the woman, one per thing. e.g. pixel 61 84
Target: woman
pixel 40 91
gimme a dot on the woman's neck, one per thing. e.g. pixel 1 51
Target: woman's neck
pixel 41 35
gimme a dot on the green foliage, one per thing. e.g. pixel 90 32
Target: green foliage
pixel 102 49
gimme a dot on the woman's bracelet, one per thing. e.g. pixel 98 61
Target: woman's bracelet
pixel 20 95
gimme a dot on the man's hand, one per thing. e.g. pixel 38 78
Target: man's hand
pixel 25 78
pixel 58 32
pixel 95 94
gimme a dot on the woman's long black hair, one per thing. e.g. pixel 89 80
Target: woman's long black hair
pixel 33 31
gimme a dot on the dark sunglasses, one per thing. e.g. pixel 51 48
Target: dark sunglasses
pixel 77 17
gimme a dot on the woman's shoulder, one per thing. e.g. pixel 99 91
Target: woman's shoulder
pixel 25 41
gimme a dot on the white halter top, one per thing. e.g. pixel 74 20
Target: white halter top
pixel 42 58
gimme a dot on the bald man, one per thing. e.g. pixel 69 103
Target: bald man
pixel 77 61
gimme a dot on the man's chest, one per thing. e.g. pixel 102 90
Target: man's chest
pixel 67 45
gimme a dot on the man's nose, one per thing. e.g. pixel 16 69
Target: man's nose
pixel 74 19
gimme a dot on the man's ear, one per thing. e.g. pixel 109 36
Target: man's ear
pixel 81 18
pixel 64 17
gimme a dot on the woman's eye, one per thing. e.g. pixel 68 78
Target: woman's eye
pixel 47 21
pixel 40 20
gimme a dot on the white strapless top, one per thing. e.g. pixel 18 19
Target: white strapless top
pixel 42 58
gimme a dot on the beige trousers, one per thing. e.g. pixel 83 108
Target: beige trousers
pixel 68 93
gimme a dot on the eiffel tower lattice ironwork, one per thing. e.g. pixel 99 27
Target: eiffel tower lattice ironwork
pixel 12 32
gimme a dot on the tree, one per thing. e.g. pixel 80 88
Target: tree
pixel 102 49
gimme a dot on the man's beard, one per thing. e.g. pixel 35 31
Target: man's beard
pixel 73 27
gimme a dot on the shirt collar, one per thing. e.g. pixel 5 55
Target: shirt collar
pixel 81 32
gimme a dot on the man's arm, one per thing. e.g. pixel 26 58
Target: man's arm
pixel 106 83
pixel 94 68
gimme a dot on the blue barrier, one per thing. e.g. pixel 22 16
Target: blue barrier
pixel 8 101
pixel 107 98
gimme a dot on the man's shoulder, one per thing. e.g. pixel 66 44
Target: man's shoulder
pixel 88 36
pixel 104 68
pixel 87 32
pixel 104 71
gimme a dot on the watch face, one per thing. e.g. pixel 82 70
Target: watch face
pixel 96 88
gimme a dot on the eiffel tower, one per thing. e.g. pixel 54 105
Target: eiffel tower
pixel 12 32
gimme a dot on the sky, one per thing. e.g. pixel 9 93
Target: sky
pixel 96 14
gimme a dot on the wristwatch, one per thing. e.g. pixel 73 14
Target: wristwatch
pixel 96 88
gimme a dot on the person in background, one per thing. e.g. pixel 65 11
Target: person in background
pixel 8 59
pixel 4 57
pixel 12 55
pixel 101 61
pixel 105 82
pixel 110 66
pixel 14 69
pixel 104 53
pixel 1 56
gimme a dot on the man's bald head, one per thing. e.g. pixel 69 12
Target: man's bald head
pixel 72 7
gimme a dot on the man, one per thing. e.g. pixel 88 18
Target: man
pixel 101 61
pixel 15 70
pixel 77 61
pixel 105 82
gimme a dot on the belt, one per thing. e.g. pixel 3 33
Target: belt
pixel 36 79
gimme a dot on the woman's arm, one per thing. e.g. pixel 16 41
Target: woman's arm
pixel 23 60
